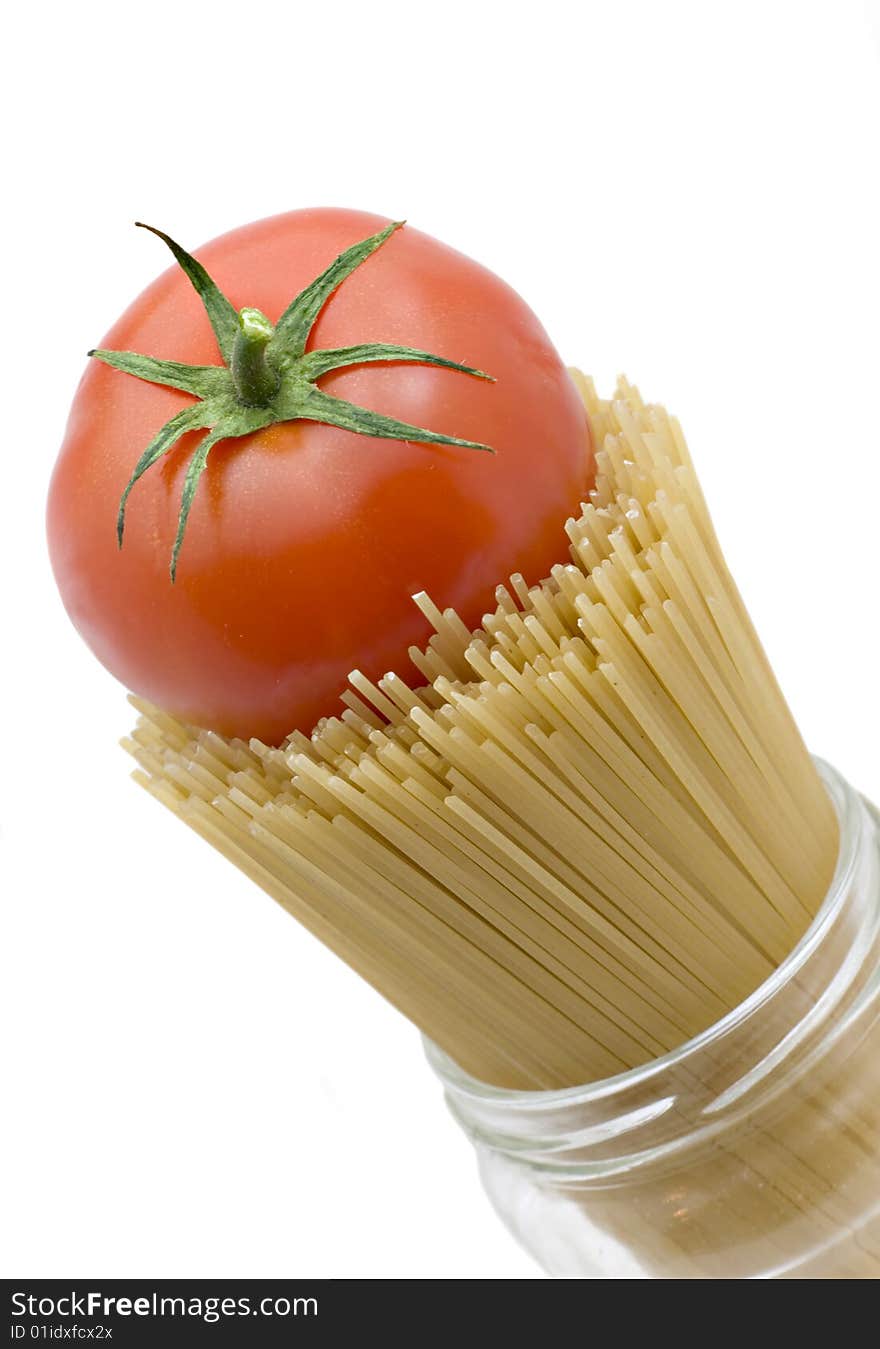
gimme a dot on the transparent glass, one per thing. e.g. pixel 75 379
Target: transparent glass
pixel 753 1151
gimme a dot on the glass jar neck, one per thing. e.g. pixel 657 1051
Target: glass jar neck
pixel 748 1062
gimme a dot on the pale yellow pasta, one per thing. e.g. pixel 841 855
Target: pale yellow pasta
pixel 591 833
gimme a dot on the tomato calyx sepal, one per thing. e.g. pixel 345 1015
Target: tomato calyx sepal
pixel 268 376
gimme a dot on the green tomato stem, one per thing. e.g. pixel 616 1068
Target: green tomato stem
pixel 268 376
pixel 256 383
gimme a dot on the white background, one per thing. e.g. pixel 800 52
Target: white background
pixel 687 192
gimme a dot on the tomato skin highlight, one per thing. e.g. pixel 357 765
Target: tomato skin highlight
pixel 305 542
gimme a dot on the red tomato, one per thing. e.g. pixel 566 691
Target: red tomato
pixel 305 543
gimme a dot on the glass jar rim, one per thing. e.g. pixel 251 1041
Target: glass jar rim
pixel 848 808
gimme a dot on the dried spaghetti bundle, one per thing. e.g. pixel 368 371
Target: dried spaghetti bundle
pixel 591 833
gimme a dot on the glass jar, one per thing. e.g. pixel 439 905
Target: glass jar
pixel 752 1151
